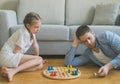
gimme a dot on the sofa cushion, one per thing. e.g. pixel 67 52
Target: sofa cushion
pixel 57 48
pixel 51 11
pixel 106 14
pixel 49 32
pixel 96 28
pixel 53 33
pixel 79 12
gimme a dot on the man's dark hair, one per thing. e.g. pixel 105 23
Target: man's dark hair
pixel 81 30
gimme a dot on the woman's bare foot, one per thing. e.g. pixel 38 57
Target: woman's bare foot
pixel 45 61
pixel 3 72
pixel 40 66
pixel 9 73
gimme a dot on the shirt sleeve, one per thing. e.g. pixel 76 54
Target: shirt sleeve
pixel 114 42
pixel 21 40
pixel 70 58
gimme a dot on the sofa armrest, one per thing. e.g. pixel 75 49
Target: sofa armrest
pixel 7 19
pixel 118 20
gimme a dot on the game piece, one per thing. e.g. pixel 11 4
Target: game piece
pixel 77 69
pixel 73 72
pixel 68 70
pixel 76 72
pixel 65 69
pixel 62 73
pixel 53 73
pixel 97 75
pixel 50 68
pixel 70 66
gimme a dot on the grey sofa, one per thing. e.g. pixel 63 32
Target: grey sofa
pixel 60 18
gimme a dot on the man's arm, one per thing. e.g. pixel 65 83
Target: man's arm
pixel 70 58
pixel 114 42
pixel 75 42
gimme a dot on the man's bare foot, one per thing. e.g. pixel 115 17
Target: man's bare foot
pixel 8 73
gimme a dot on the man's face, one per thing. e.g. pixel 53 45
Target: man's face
pixel 88 39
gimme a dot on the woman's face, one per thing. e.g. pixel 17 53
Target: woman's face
pixel 88 39
pixel 34 28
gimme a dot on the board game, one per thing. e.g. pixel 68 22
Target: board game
pixel 62 72
pixel 97 75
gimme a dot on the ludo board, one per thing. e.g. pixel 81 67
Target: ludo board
pixel 62 72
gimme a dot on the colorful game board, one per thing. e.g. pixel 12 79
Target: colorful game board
pixel 62 72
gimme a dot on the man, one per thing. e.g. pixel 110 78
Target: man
pixel 103 50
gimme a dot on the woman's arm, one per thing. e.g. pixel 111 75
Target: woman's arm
pixel 17 49
pixel 36 47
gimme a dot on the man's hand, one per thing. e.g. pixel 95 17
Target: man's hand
pixel 103 71
pixel 75 42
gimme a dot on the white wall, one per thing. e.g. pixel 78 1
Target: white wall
pixel 8 4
